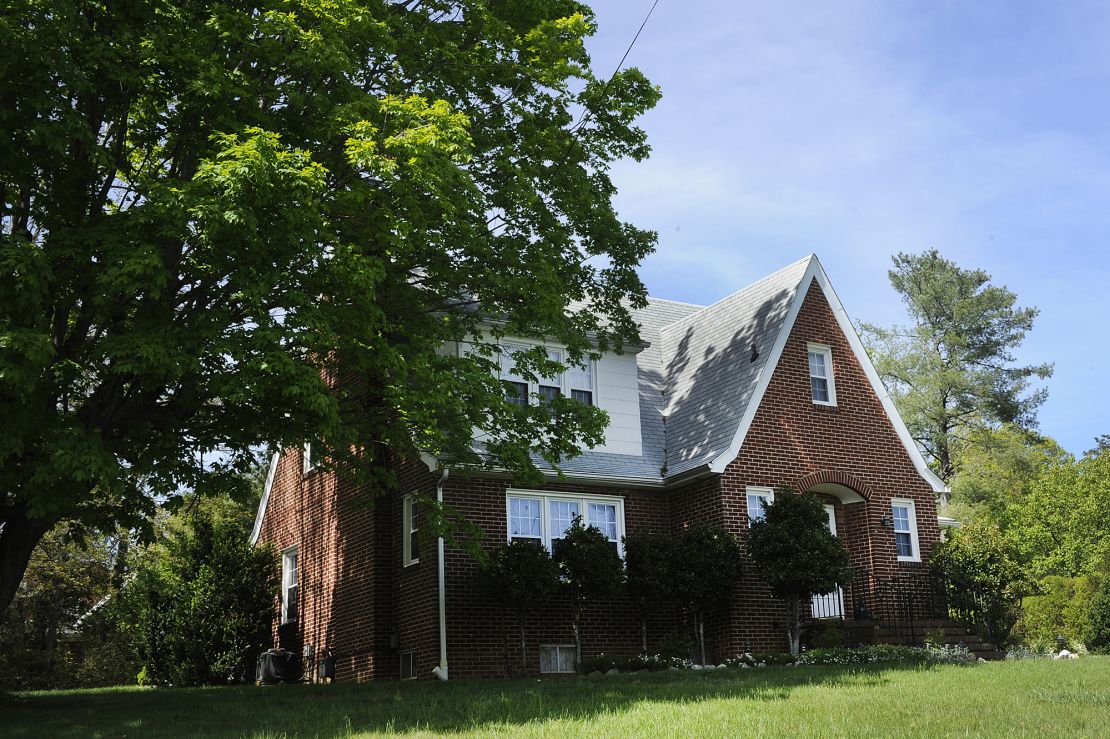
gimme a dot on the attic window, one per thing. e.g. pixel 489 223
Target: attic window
pixel 821 386
pixel 577 382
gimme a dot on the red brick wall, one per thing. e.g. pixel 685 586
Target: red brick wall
pixel 357 597
pixel 352 596
pixel 476 629
pixel 795 442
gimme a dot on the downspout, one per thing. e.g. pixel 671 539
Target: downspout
pixel 441 670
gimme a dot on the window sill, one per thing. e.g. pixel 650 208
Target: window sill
pixel 910 559
pixel 824 405
pixel 410 563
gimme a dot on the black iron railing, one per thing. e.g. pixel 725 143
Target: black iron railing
pixel 904 605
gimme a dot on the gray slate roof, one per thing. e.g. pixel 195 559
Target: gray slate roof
pixel 697 376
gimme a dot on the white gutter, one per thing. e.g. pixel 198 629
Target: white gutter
pixel 441 670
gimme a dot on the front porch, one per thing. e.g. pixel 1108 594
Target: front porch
pixel 901 610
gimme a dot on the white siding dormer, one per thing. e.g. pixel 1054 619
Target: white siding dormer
pixel 618 394
pixel 609 382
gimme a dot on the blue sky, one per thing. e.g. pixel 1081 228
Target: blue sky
pixel 856 130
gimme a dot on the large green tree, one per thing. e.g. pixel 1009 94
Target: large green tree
pixel 996 469
pixel 210 213
pixel 953 370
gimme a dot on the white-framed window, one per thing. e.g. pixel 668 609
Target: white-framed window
pixel 577 381
pixel 545 517
pixel 289 580
pixel 557 658
pixel 410 529
pixel 758 500
pixel 307 460
pixel 905 530
pixel 822 387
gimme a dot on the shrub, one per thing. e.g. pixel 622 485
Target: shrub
pixel 796 554
pixel 1098 620
pixel 872 654
pixel 591 570
pixel 520 576
pixel 984 580
pixel 649 560
pixel 707 568
pixel 822 635
pixel 1062 608
pixel 199 611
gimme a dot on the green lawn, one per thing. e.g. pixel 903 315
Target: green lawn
pixel 1030 698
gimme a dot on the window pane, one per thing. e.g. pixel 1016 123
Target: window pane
pixel 817 364
pixel 583 396
pixel 548 393
pixel 291 603
pixel 508 366
pixel 604 517
pixel 820 389
pixel 566 659
pixel 517 394
pixel 901 518
pixel 549 659
pixel 561 513
pixel 524 518
pixel 757 507
pixel 582 378
pixel 905 544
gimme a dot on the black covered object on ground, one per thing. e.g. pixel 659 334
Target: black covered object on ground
pixel 278 666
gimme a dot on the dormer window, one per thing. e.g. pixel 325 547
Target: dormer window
pixel 577 381
pixel 821 387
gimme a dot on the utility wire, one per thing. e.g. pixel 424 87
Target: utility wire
pixel 604 91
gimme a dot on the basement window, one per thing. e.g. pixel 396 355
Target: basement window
pixel 408 665
pixel 557 659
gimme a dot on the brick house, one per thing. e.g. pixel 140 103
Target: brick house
pixel 720 404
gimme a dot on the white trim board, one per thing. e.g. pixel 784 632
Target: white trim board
pixel 814 271
pixel 265 498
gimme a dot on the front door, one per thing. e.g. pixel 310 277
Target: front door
pixel 829 605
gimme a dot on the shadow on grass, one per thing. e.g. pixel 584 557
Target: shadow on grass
pixel 338 710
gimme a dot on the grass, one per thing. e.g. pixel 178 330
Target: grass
pixel 1030 698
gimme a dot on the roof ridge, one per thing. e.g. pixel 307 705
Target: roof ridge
pixel 676 302
pixel 689 317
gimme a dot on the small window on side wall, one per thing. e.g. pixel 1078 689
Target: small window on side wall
pixel 307 458
pixel 410 530
pixel 822 387
pixel 758 500
pixel 905 530
pixel 408 665
pixel 289 583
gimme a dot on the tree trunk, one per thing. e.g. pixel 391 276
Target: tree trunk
pixel 577 640
pixel 794 630
pixel 701 634
pixel 523 647
pixel 19 535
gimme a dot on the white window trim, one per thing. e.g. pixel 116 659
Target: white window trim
pixel 909 504
pixel 583 502
pixel 285 584
pixel 306 458
pixel 563 380
pixel 406 532
pixel 762 492
pixel 827 351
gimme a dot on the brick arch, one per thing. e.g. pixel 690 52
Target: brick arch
pixel 839 478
